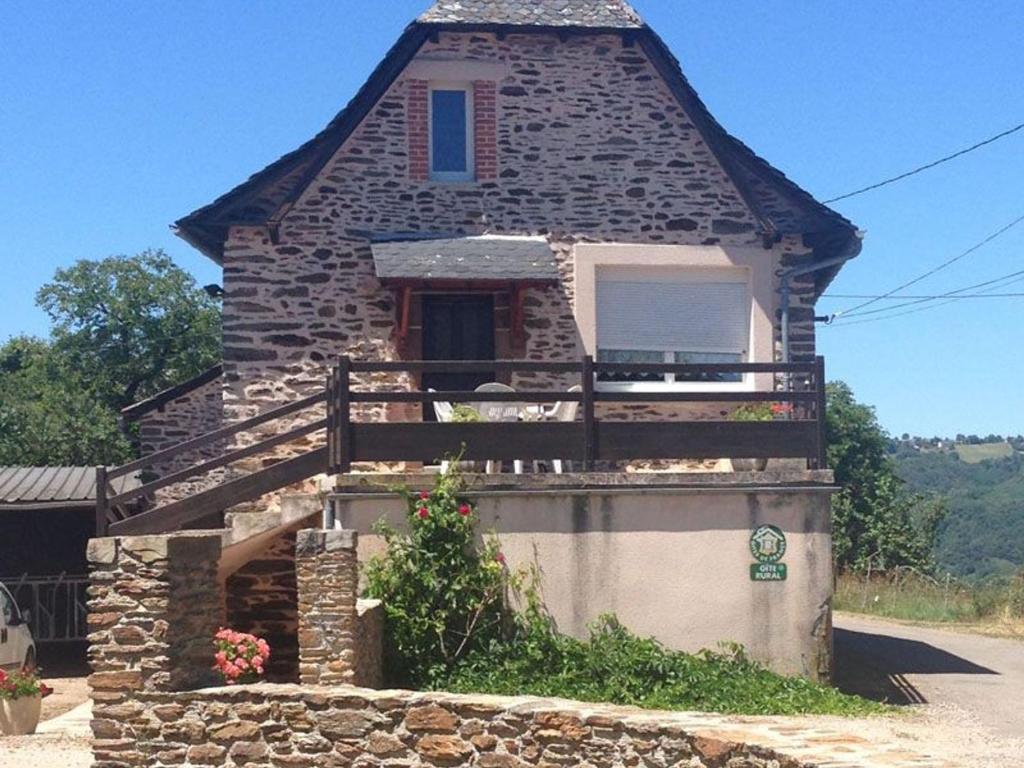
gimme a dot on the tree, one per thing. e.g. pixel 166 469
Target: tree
pixel 123 329
pixel 876 519
pixel 131 326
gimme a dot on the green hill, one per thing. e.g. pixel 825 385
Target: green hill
pixel 975 454
pixel 984 532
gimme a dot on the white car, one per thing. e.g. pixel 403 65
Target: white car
pixel 17 649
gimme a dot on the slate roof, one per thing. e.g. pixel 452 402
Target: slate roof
pixel 49 487
pixel 540 13
pixel 779 204
pixel 466 258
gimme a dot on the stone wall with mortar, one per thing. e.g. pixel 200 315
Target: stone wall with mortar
pixel 195 413
pixel 154 606
pixel 591 147
pixel 327 575
pixel 312 727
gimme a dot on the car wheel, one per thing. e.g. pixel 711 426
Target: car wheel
pixel 30 660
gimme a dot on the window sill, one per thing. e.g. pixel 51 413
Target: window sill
pixel 747 385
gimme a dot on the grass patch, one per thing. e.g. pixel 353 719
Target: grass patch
pixel 910 596
pixel 618 667
pixel 975 454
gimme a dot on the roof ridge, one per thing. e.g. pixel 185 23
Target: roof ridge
pixel 534 13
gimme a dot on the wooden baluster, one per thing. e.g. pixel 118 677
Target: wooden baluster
pixel 101 502
pixel 589 431
pixel 344 415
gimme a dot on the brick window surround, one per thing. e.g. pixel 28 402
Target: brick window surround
pixel 485 129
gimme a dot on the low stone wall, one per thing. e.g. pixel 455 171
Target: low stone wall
pixel 289 726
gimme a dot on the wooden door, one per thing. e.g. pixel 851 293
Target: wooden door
pixel 457 328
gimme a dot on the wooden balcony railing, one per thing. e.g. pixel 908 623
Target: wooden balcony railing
pixel 588 440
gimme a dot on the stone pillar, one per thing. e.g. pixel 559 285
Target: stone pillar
pixel 154 606
pixel 327 577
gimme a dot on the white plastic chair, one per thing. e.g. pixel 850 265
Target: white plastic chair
pixel 563 410
pixel 499 412
pixel 443 412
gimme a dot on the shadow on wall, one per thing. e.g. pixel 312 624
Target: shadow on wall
pixel 875 665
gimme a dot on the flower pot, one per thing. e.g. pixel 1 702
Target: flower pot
pixel 749 465
pixel 19 717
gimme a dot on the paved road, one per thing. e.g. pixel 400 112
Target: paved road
pixel 907 664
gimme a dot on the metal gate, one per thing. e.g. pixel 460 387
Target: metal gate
pixel 57 605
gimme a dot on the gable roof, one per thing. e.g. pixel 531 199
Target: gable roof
pixel 544 13
pixel 780 206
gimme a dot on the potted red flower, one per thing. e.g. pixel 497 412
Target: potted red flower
pixel 21 701
pixel 240 657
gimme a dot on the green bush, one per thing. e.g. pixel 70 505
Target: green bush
pixel 450 626
pixel 614 665
pixel 443 595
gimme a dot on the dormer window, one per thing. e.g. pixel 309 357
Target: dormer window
pixel 451 131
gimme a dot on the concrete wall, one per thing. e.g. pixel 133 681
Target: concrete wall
pixel 672 562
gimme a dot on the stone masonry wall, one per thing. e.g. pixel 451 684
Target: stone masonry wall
pixel 591 146
pixel 193 414
pixel 306 727
pixel 154 606
pixel 327 575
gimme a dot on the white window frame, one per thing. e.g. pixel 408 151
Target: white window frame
pixel 746 382
pixel 470 173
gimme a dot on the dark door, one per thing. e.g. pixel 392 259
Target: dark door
pixel 457 328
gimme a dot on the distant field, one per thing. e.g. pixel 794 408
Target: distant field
pixel 975 454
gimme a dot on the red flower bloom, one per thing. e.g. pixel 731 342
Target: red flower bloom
pixel 465 509
pixel 500 557
pixel 424 513
pixel 424 495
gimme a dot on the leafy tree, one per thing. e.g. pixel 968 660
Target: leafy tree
pixel 876 519
pixel 123 329
pixel 131 326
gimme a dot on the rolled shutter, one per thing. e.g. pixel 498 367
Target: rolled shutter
pixel 673 315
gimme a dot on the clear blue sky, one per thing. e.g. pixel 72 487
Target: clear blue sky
pixel 118 117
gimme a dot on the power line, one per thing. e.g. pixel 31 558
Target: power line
pixel 941 296
pixel 909 296
pixel 853 311
pixel 925 167
pixel 952 296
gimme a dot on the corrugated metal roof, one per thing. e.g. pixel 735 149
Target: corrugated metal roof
pixel 466 258
pixel 42 486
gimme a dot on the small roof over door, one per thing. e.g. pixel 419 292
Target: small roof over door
pixel 485 259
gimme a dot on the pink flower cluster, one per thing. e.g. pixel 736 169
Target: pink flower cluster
pixel 240 657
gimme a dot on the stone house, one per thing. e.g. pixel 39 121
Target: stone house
pixel 527 180
pixel 540 172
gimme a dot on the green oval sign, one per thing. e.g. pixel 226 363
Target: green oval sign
pixel 768 544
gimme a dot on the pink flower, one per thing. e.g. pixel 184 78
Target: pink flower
pixel 500 557
pixel 424 513
pixel 465 509
pixel 424 495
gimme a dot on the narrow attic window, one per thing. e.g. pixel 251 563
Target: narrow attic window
pixel 451 132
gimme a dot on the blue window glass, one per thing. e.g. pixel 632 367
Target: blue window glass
pixel 448 131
